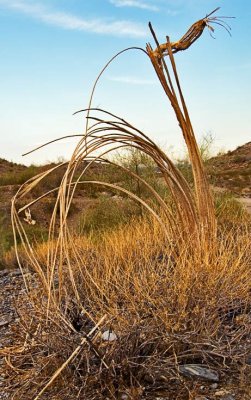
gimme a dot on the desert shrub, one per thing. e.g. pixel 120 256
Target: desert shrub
pixel 142 165
pixel 239 158
pixel 131 159
pixel 6 234
pixel 18 178
pixel 35 233
pixel 106 213
pixel 91 191
pixel 48 204
pixel 229 209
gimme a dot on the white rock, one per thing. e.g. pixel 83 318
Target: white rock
pixel 201 398
pixel 214 386
pixel 4 322
pixel 109 336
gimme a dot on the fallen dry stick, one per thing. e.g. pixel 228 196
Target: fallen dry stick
pixel 72 356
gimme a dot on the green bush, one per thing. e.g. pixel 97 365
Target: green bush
pixel 142 165
pixel 18 178
pixel 107 213
pixel 228 208
pixel 35 233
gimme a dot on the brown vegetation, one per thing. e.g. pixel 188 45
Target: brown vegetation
pixel 232 170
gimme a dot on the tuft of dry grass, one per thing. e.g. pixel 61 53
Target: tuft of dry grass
pixel 165 312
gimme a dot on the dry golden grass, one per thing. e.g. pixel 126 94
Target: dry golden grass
pixel 167 308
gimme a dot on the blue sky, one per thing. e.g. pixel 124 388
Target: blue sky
pixel 52 50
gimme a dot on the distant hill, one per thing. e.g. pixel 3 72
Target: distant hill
pixel 7 167
pixel 232 170
pixel 12 175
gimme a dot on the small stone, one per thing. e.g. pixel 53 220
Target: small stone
pixel 149 378
pixel 197 371
pixel 4 272
pixel 109 336
pixel 227 397
pixel 17 272
pixel 214 386
pixel 131 393
pixel 117 197
pixel 201 398
pixel 106 194
pixel 224 395
pixel 3 322
pixel 161 398
pixel 220 393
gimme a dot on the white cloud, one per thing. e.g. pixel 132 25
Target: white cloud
pixel 134 3
pixel 72 22
pixel 131 80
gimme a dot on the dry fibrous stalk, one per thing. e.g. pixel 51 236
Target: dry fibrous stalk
pixel 204 201
pixel 193 33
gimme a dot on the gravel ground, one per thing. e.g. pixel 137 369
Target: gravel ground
pixel 12 288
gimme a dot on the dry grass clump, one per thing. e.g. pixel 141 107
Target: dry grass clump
pixel 165 312
pixel 229 210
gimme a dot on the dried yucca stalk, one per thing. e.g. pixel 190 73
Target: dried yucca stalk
pixel 204 200
pixel 193 33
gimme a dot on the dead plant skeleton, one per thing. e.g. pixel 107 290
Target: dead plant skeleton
pixel 160 310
